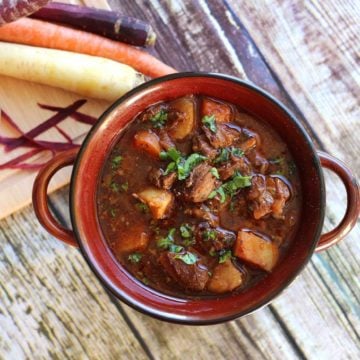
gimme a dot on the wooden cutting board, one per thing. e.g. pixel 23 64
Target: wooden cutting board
pixel 19 100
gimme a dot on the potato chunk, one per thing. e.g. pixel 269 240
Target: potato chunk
pixel 256 250
pixel 185 119
pixel 222 112
pixel 159 201
pixel 134 238
pixel 226 277
pixel 148 141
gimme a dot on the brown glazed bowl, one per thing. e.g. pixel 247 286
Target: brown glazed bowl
pixel 88 164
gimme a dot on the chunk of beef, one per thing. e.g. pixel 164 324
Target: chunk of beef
pixel 157 178
pixel 235 164
pixel 215 239
pixel 280 193
pixel 165 141
pixel 201 145
pixel 258 161
pixel 262 200
pixel 268 195
pixel 200 183
pixel 248 144
pixel 224 136
pixel 203 213
pixel 192 277
pixel 226 277
pixel 256 250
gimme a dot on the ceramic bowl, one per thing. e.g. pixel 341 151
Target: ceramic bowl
pixel 88 164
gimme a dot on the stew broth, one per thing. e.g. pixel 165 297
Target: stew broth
pixel 199 198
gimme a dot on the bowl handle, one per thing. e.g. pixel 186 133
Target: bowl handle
pixel 40 200
pixel 353 201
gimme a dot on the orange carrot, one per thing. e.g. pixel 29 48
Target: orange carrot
pixel 43 34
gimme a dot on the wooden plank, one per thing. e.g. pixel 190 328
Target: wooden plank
pixel 51 304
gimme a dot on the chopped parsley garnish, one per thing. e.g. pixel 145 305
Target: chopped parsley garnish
pixel 225 154
pixel 116 161
pixel 188 258
pixel 114 187
pixel 180 164
pixel 186 231
pixel 145 280
pixel 135 257
pixel 175 248
pixel 210 122
pixel 231 187
pixel 209 235
pixel 112 212
pixel 159 119
pixel 124 186
pixel 212 252
pixel 215 173
pixel 142 207
pixel 172 154
pixel 224 255
pixel 237 152
pixel 167 241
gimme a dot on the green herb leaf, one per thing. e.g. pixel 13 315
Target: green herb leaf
pixel 188 258
pixel 237 152
pixel 185 167
pixel 186 231
pixel 142 207
pixel 175 248
pixel 224 155
pixel 215 172
pixel 116 161
pixel 112 212
pixel 172 154
pixel 164 243
pixel 125 186
pixel 159 119
pixel 210 122
pixel 212 252
pixel 189 241
pixel 224 255
pixel 182 165
pixel 114 186
pixel 209 234
pixel 170 168
pixel 135 257
pixel 231 187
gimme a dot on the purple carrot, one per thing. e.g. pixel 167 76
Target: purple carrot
pixel 48 124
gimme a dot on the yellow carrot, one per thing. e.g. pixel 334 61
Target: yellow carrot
pixel 83 74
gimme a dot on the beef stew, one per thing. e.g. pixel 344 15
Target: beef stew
pixel 199 198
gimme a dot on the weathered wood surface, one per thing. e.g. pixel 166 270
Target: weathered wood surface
pixel 51 306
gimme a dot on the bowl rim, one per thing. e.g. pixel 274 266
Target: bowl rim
pixel 93 265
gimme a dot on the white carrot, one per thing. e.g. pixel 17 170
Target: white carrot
pixel 83 74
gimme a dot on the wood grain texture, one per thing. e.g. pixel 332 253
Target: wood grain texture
pixel 316 318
